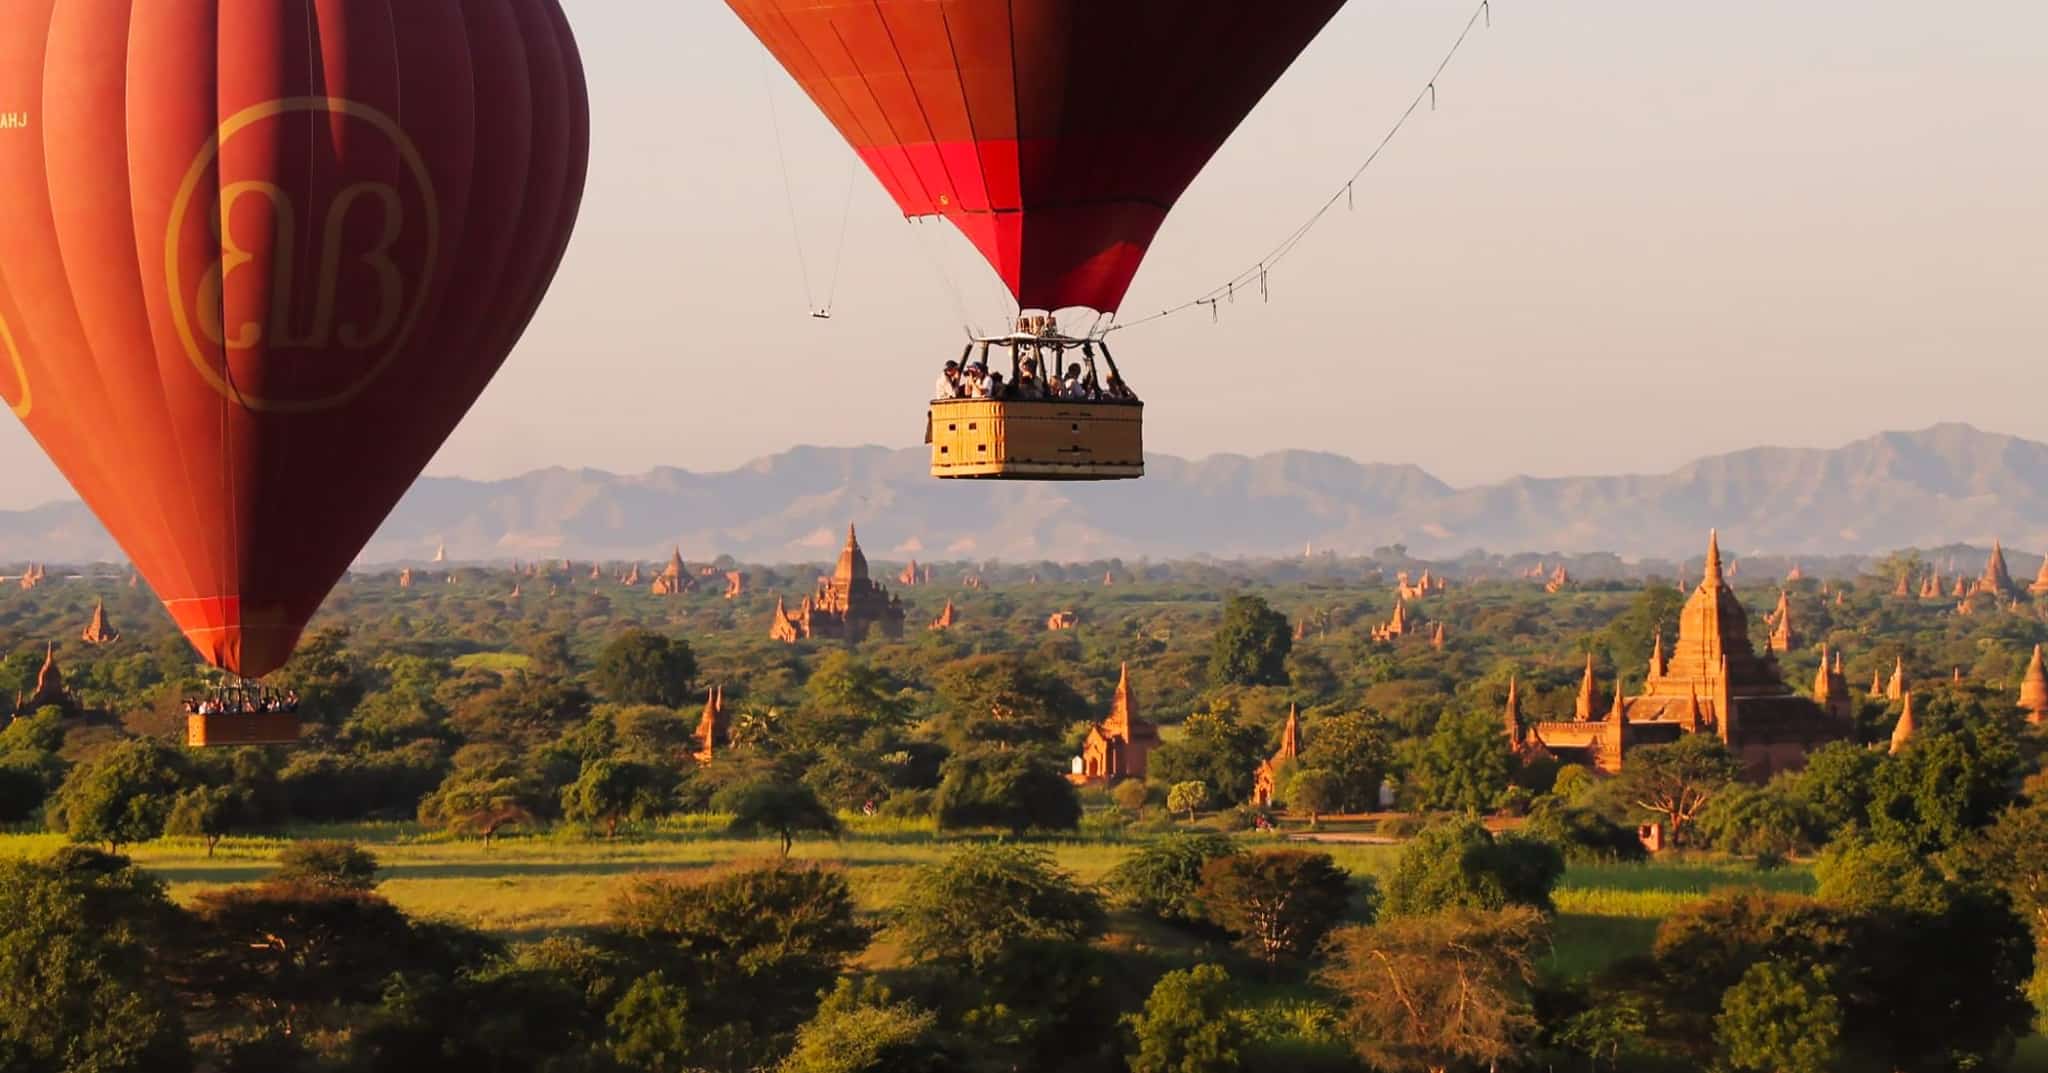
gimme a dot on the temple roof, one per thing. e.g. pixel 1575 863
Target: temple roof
pixel 1902 733
pixel 2034 689
pixel 853 563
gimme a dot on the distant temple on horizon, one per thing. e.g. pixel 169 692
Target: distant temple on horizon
pixel 1712 681
pixel 845 606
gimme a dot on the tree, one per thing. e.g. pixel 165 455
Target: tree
pixel 208 812
pixel 123 796
pixel 750 946
pixel 1676 781
pixel 974 905
pixel 2012 854
pixel 337 865
pixel 1189 1025
pixel 1463 765
pixel 844 685
pixel 1314 790
pixel 1432 993
pixel 1163 877
pixel 297 950
pixel 1214 749
pixel 1006 702
pixel 80 987
pixel 509 1017
pixel 1781 1019
pixel 640 667
pixel 1186 797
pixel 859 1029
pixel 1464 866
pixel 1836 784
pixel 776 805
pixel 1251 645
pixel 1131 795
pixel 1759 821
pixel 1583 835
pixel 612 792
pixel 1941 788
pixel 1013 790
pixel 482 800
pixel 1354 748
pixel 1280 903
pixel 1859 873
pixel 650 1026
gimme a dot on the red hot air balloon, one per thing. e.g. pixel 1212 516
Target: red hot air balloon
pixel 258 257
pixel 1057 135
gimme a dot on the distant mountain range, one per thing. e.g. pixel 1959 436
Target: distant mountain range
pixel 1950 483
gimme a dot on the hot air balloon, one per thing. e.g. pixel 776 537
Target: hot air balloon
pixel 257 258
pixel 1056 135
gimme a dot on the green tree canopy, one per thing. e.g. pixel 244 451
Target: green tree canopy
pixel 1015 791
pixel 974 905
pixel 613 792
pixel 1280 903
pixel 1251 645
pixel 1163 876
pixel 777 806
pixel 1215 749
pixel 123 796
pixel 1189 1025
pixel 641 667
pixel 1676 781
pixel 1781 1019
pixel 1464 866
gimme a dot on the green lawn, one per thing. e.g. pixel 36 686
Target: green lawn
pixel 529 886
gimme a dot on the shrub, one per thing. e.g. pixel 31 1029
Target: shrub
pixel 1280 903
pixel 1163 879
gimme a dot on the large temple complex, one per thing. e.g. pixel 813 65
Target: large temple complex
pixel 846 606
pixel 1711 681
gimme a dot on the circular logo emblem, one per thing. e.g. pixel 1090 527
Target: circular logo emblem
pixel 20 400
pixel 312 277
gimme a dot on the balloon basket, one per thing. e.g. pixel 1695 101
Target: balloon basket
pixel 231 729
pixel 1059 440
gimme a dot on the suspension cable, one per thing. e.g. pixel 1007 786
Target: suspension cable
pixel 1259 274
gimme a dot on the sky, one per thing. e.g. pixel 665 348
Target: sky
pixel 1629 235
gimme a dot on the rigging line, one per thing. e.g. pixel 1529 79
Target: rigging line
pixel 946 280
pixel 845 220
pixel 796 234
pixel 1344 195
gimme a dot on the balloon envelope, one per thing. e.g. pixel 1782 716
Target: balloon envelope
pixel 1057 134
pixel 258 257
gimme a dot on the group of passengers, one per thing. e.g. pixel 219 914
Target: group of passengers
pixel 245 702
pixel 975 381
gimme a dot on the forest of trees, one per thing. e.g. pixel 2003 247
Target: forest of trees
pixel 571 710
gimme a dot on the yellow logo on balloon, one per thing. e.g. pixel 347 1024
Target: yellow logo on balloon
pixel 14 361
pixel 349 334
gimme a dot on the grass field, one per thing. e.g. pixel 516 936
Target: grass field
pixel 528 887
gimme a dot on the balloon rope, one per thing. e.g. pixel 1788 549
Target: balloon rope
pixel 788 185
pixel 1346 195
pixel 845 221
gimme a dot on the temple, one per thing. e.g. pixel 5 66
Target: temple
pixel 35 575
pixel 1905 728
pixel 946 620
pixel 2040 585
pixel 914 575
pixel 1427 585
pixel 845 606
pixel 50 691
pixel 1266 779
pixel 99 631
pixel 1711 681
pixel 713 729
pixel 2034 690
pixel 1061 621
pixel 1783 637
pixel 405 578
pixel 1401 625
pixel 1118 747
pixel 735 584
pixel 1997 580
pixel 1559 581
pixel 674 579
pixel 1895 689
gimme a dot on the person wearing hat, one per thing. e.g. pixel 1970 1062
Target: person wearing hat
pixel 949 386
pixel 976 384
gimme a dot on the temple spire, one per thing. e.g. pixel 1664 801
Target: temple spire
pixel 1584 710
pixel 1619 713
pixel 2034 690
pixel 1125 707
pixel 1896 688
pixel 1512 718
pixel 1714 574
pixel 1290 736
pixel 1902 733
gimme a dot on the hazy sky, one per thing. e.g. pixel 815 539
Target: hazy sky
pixel 1631 234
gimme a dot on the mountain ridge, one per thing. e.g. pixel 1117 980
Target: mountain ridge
pixel 1949 482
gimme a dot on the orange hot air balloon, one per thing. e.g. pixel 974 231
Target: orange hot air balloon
pixel 258 257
